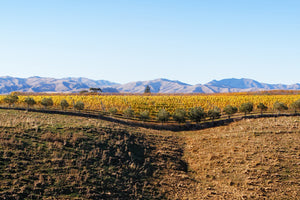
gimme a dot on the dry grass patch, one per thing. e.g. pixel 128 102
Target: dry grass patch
pixel 52 156
pixel 250 159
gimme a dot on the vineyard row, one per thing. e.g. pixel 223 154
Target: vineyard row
pixel 152 106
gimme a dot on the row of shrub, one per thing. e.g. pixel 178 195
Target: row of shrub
pixel 195 114
pixel 46 102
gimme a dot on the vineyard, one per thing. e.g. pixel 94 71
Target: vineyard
pixel 118 105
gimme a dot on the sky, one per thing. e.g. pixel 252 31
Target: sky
pixel 193 41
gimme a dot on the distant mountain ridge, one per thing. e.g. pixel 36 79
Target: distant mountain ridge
pixel 243 84
pixel 224 85
pixel 43 84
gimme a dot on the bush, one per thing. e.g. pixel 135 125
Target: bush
pixel 163 116
pixel 279 106
pixel 296 105
pixel 230 110
pixel 144 116
pixel 196 114
pixel 128 113
pixel 214 113
pixel 113 111
pixel 262 107
pixel 47 102
pixel 246 108
pixel 11 99
pixel 29 101
pixel 79 105
pixel 64 104
pixel 179 115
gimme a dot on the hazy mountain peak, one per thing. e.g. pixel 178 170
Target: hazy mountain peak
pixel 171 81
pixel 241 83
pixel 160 85
pixel 46 84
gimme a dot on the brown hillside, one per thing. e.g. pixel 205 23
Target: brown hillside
pixel 250 159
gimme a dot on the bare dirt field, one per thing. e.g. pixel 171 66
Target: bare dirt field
pixel 60 157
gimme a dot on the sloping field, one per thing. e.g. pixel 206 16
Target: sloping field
pixel 61 157
pixel 58 157
pixel 250 159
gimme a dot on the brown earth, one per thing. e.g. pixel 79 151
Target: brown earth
pixel 250 159
pixel 80 158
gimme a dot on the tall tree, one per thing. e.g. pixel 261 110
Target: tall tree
pixel 95 90
pixel 147 89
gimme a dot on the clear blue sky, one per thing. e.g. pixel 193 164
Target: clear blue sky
pixel 194 41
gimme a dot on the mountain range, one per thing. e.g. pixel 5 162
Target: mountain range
pixel 42 84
